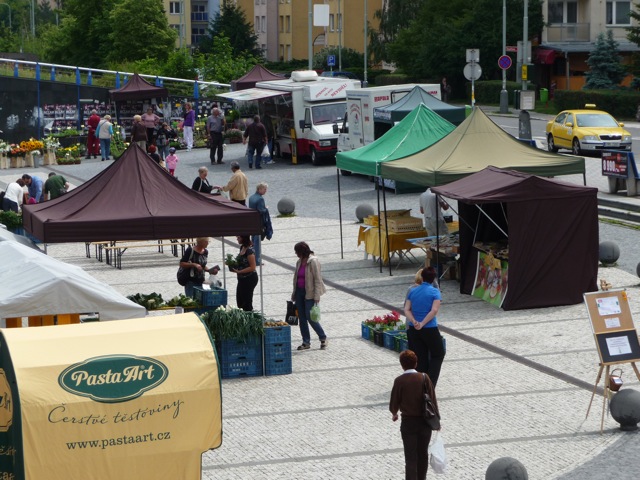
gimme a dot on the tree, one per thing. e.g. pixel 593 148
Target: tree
pixel 394 16
pixel 140 29
pixel 350 58
pixel 605 67
pixel 231 23
pixel 221 65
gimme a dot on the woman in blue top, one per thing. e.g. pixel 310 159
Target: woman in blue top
pixel 421 307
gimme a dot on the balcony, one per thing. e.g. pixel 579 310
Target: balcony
pixel 568 32
pixel 199 17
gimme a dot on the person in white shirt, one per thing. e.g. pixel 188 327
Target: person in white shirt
pixel 432 212
pixel 14 196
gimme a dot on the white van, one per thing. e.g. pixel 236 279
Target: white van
pixel 303 110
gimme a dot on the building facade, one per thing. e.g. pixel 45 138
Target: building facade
pixel 572 29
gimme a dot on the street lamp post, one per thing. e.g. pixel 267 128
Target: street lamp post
pixel 504 98
pixel 310 22
pixel 365 83
pixel 339 37
pixel 33 18
pixel 9 7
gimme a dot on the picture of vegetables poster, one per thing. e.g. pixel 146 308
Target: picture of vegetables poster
pixel 491 279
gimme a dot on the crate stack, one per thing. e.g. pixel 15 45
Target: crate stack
pixel 277 350
pixel 240 358
pixel 210 298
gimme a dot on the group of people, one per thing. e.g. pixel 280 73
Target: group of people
pixel 99 136
pixel 37 191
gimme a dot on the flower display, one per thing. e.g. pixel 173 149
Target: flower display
pixel 51 143
pixel 32 144
pixel 16 151
pixel 389 321
pixel 233 133
pixel 4 146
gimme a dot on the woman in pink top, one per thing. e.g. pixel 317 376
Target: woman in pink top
pixel 171 161
pixel 307 289
pixel 150 121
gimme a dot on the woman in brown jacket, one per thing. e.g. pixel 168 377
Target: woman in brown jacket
pixel 407 397
pixel 307 289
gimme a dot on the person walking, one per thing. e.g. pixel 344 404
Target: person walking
pixel 164 135
pixel 139 132
pixel 308 287
pixel 104 132
pixel 431 208
pixel 407 397
pixel 188 122
pixel 150 121
pixel 238 186
pixel 171 161
pixel 247 275
pixel 93 142
pixel 256 201
pixel 421 307
pixel 215 129
pixel 256 136
pixel 445 90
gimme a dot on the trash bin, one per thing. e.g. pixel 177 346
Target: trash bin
pixel 544 95
pixel 516 99
pixel 467 110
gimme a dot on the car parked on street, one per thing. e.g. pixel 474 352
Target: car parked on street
pixel 584 131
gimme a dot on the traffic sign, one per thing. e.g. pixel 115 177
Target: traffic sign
pixel 473 55
pixel 331 60
pixel 511 48
pixel 524 72
pixel 504 62
pixel 472 71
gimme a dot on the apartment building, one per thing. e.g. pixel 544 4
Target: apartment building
pixel 570 35
pixel 190 19
pixel 283 32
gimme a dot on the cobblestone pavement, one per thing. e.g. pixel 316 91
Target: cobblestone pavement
pixel 513 383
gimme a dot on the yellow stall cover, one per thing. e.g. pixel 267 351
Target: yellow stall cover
pixel 135 399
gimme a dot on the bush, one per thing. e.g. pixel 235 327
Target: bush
pixel 488 92
pixel 622 104
pixel 11 220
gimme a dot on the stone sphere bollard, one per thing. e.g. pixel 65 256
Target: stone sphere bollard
pixel 625 409
pixel 286 206
pixel 638 269
pixel 363 211
pixel 609 253
pixel 506 468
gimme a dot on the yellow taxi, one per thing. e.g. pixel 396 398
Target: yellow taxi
pixel 583 131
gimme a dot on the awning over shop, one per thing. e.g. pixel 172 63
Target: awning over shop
pixel 545 56
pixel 251 94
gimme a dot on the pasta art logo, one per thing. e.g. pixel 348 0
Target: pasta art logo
pixel 113 378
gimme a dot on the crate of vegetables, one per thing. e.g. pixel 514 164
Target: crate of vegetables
pixel 388 338
pixel 213 297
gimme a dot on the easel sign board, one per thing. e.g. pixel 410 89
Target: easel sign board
pixel 609 311
pixel 618 347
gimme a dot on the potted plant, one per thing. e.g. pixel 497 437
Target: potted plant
pixel 12 220
pixel 233 135
pixel 51 144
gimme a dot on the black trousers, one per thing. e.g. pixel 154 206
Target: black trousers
pixel 416 436
pixel 427 345
pixel 244 292
pixel 216 146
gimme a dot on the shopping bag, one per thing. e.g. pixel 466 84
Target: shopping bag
pixel 292 314
pixel 438 456
pixel 266 152
pixel 315 313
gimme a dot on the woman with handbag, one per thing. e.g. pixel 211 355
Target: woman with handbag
pixel 421 306
pixel 247 275
pixel 193 266
pixel 408 397
pixel 307 289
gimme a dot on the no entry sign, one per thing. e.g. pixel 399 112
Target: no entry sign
pixel 504 62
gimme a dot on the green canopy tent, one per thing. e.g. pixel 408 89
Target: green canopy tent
pixel 416 132
pixel 474 145
pixel 390 114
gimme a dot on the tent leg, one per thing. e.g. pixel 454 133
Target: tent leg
pixel 340 215
pixel 224 267
pixel 379 228
pixel 261 290
pixel 386 229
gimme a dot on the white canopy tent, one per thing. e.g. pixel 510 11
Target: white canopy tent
pixel 36 284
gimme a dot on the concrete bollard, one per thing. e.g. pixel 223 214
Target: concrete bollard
pixel 609 253
pixel 363 211
pixel 506 468
pixel 286 206
pixel 625 409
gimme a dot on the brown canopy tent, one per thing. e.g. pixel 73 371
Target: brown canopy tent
pixel 135 199
pixel 552 228
pixel 255 75
pixel 137 88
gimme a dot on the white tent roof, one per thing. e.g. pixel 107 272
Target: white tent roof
pixel 36 284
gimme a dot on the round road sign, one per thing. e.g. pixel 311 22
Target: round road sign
pixel 504 62
pixel 472 71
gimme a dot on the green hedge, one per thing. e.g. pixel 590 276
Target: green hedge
pixel 619 103
pixel 488 92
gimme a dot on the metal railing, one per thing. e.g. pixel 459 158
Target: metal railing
pixel 569 32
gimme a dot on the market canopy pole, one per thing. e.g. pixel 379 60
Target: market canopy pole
pixel 340 215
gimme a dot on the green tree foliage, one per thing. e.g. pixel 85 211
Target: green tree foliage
pixel 231 22
pixel 223 65
pixel 350 58
pixel 140 29
pixel 394 16
pixel 434 44
pixel 605 67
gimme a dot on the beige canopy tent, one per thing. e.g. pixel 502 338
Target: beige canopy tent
pixel 473 146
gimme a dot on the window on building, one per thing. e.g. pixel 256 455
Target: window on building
pixel 281 24
pixel 199 13
pixel 331 22
pixel 289 56
pixel 263 24
pixel 197 34
pixel 339 22
pixel 256 25
pixel 288 20
pixel 174 8
pixel 563 12
pixel 618 13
